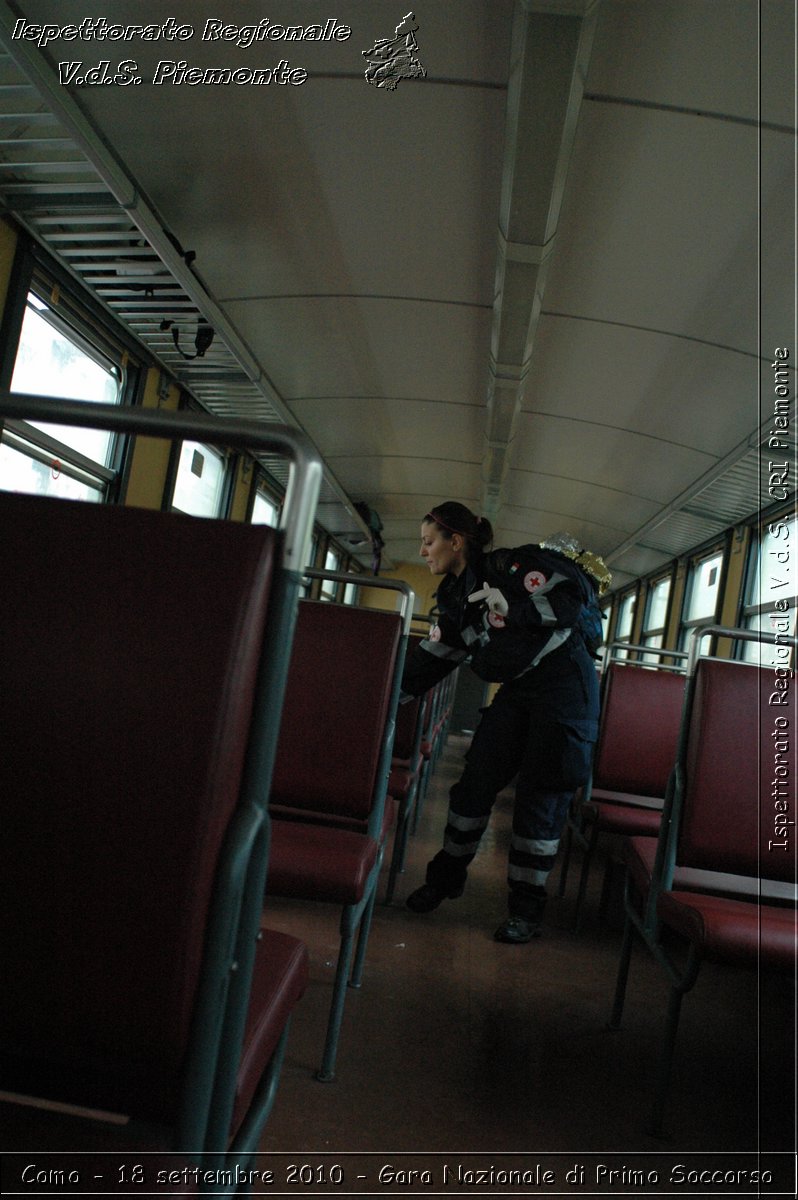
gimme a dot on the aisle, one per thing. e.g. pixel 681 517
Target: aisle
pixel 458 1043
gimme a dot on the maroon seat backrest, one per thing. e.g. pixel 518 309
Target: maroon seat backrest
pixel 128 650
pixel 738 773
pixel 640 717
pixel 335 709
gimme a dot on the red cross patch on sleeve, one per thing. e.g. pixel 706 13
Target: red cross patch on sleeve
pixel 533 580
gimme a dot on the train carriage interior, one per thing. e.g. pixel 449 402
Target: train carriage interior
pixel 535 256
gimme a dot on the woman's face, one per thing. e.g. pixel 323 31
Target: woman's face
pixel 442 552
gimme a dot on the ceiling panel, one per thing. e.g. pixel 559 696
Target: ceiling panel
pixel 637 379
pixel 362 346
pixel 636 463
pixel 318 192
pixel 371 478
pixel 536 496
pixel 483 285
pixel 647 242
pixel 384 425
pixel 693 54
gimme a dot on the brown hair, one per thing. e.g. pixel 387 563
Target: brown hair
pixel 452 517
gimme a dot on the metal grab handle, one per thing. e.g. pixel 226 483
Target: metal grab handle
pixel 658 651
pixel 407 595
pixel 304 480
pixel 737 635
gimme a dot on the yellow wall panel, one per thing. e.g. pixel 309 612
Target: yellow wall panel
pixel 241 489
pixel 150 464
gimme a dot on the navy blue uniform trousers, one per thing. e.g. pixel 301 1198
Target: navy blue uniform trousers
pixel 541 728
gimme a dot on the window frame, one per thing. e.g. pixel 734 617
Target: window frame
pixel 750 608
pixel 650 633
pixel 76 316
pixel 696 559
pixel 330 590
pixel 260 489
pixel 229 467
pixel 630 593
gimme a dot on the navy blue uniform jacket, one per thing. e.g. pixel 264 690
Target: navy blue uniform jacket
pixel 545 592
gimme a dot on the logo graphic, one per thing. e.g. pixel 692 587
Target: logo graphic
pixel 533 580
pixel 392 59
pixel 496 620
pixel 435 633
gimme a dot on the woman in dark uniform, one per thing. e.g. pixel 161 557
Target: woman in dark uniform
pixel 519 615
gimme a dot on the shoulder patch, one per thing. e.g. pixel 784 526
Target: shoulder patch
pixel 496 620
pixel 435 633
pixel 533 580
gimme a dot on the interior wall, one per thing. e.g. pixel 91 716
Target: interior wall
pixel 150 462
pixel 417 576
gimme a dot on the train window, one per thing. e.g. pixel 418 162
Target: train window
pixel 656 613
pixel 26 467
pixel 332 562
pixel 200 482
pixel 770 595
pixel 626 616
pixel 56 359
pixel 606 619
pixel 351 591
pixel 265 511
pixel 702 595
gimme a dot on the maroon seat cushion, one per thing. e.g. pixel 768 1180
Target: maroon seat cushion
pixel 279 980
pixel 639 854
pixel 731 930
pixel 400 782
pixel 624 819
pixel 317 862
pixel 282 812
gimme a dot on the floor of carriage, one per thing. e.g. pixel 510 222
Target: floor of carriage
pixel 457 1043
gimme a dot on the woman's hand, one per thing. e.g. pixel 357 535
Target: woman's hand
pixel 494 599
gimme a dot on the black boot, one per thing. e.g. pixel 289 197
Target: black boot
pixel 445 881
pixel 523 923
pixel 429 896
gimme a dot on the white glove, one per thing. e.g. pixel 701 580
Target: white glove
pixel 493 598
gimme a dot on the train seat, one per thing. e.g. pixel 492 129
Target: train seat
pixel 640 716
pixel 132 645
pixel 330 777
pixel 716 884
pixel 437 715
pixel 404 779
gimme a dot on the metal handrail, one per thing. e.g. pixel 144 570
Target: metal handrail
pixel 305 473
pixel 738 635
pixel 659 651
pixel 407 596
